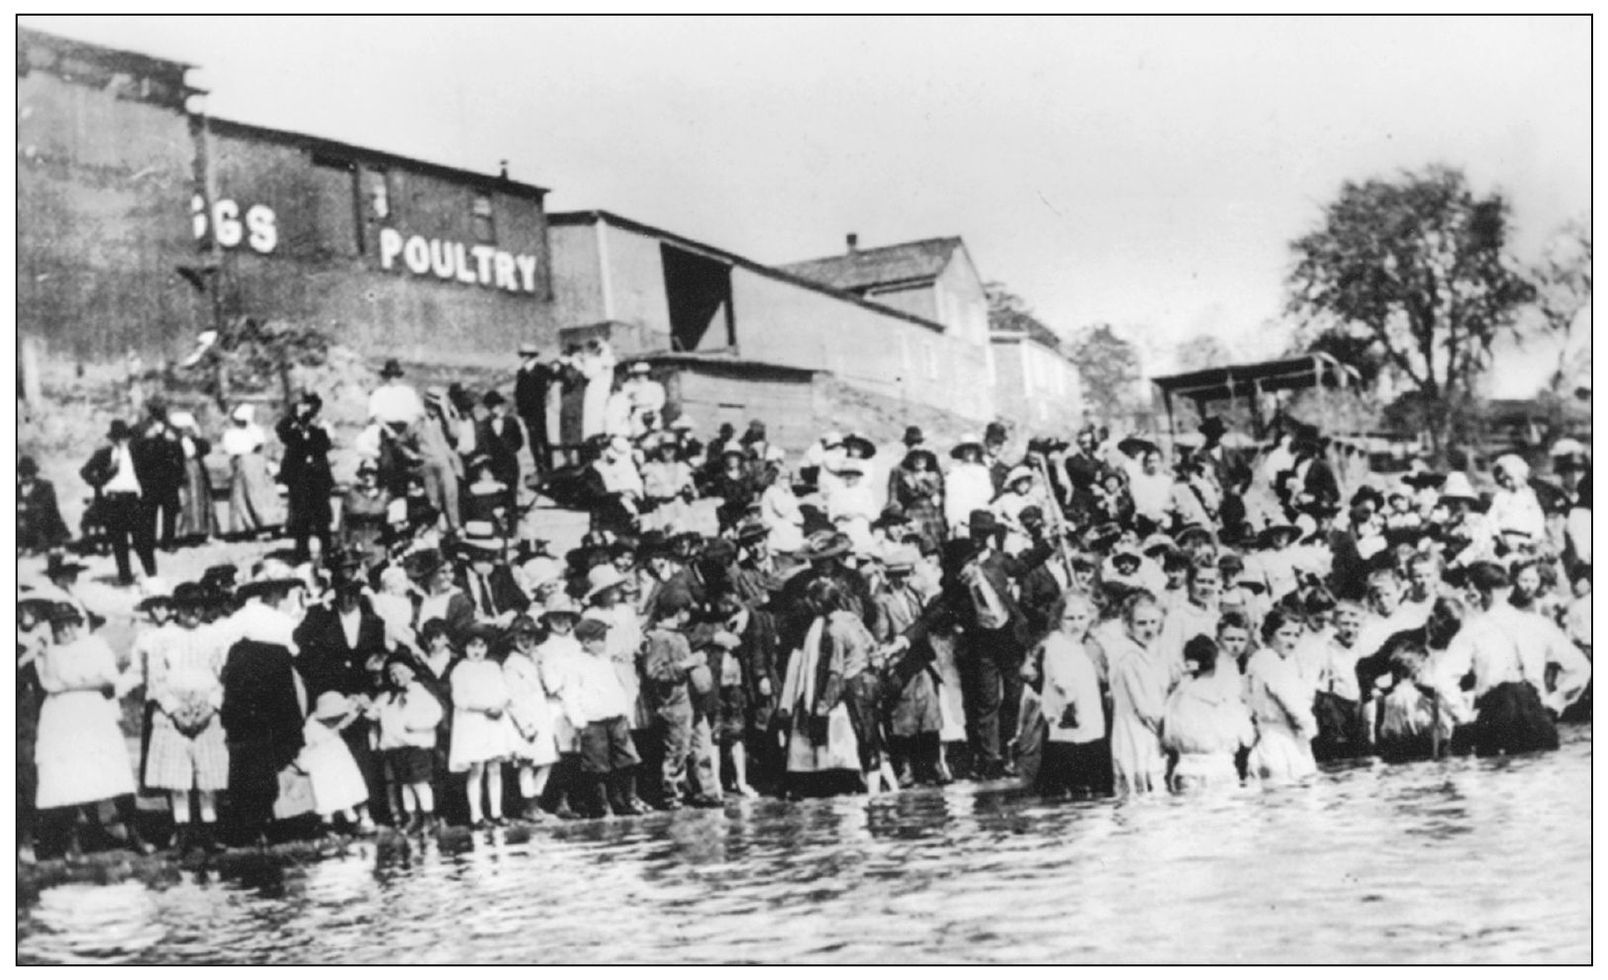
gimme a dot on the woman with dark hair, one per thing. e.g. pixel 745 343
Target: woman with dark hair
pixel 1414 700
pixel 1281 702
pixel 1205 723
pixel 917 488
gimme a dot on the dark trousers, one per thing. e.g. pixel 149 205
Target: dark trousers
pixel 540 450
pixel 991 691
pixel 127 523
pixel 162 511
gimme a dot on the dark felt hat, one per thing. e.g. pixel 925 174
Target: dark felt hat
pixel 391 369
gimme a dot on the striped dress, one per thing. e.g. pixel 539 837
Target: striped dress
pixel 184 682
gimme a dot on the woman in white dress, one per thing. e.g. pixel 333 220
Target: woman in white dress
pixel 1076 754
pixel 81 755
pixel 967 486
pixel 1205 721
pixel 1142 676
pixel 778 506
pixel 1280 701
pixel 597 366
pixel 1514 507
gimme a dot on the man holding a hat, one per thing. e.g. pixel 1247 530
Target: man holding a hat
pixel 111 472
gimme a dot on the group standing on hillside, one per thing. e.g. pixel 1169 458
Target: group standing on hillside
pixel 1092 618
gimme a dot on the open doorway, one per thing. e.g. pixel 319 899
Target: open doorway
pixel 698 291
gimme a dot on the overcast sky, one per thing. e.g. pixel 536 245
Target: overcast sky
pixel 1146 172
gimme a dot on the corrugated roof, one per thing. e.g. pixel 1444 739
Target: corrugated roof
pixel 863 269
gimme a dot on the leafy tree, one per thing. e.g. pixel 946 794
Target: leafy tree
pixel 1109 366
pixel 1414 268
pixel 1563 286
pixel 1203 351
pixel 1008 312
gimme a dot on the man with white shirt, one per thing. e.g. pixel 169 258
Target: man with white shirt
pixel 393 403
pixel 1507 650
pixel 110 471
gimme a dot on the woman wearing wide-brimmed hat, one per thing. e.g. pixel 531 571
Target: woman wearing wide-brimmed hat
pixel 916 487
pixel 254 505
pixel 81 754
pixel 968 485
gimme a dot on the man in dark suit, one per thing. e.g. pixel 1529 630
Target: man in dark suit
pixel 343 649
pixel 263 706
pixel 994 439
pixel 531 384
pixel 994 635
pixel 498 437
pixel 306 475
pixel 159 462
pixel 113 472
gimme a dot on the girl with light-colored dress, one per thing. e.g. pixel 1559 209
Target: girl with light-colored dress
pixel 338 786
pixel 183 680
pixel 1280 701
pixel 482 734
pixel 534 746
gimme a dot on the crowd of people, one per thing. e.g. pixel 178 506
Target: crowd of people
pixel 1091 618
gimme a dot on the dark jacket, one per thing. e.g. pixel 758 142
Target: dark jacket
pixel 259 702
pixel 158 463
pixel 39 523
pixel 505 592
pixel 502 449
pixel 305 467
pixel 530 392
pixel 998 568
pixel 327 662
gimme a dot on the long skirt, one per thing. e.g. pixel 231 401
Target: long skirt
pixel 1074 767
pixel 176 762
pixel 253 500
pixel 81 754
pixel 197 516
pixel 1136 758
pixel 1280 754
pixel 951 705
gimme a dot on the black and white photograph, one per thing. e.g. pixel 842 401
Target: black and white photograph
pixel 783 490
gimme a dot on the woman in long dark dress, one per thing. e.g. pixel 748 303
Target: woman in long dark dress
pixel 198 517
pixel 917 488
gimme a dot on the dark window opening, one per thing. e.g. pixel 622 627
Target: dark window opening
pixel 485 229
pixel 698 291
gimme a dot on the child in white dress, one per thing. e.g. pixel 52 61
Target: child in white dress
pixel 338 786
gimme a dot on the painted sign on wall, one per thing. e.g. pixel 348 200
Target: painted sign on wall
pixel 474 265
pixel 257 227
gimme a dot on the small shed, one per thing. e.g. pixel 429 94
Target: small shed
pixel 1250 381
pixel 712 389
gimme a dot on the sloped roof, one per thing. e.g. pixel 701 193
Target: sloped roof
pixel 862 269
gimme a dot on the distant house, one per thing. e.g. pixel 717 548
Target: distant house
pixel 652 290
pixel 1035 385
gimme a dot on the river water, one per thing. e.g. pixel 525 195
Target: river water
pixel 1457 861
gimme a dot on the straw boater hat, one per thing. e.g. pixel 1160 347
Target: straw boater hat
pixel 750 530
pixel 1018 473
pixel 528 349
pixel 901 558
pixel 602 578
pixel 640 367
pixel 561 605
pixel 825 544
